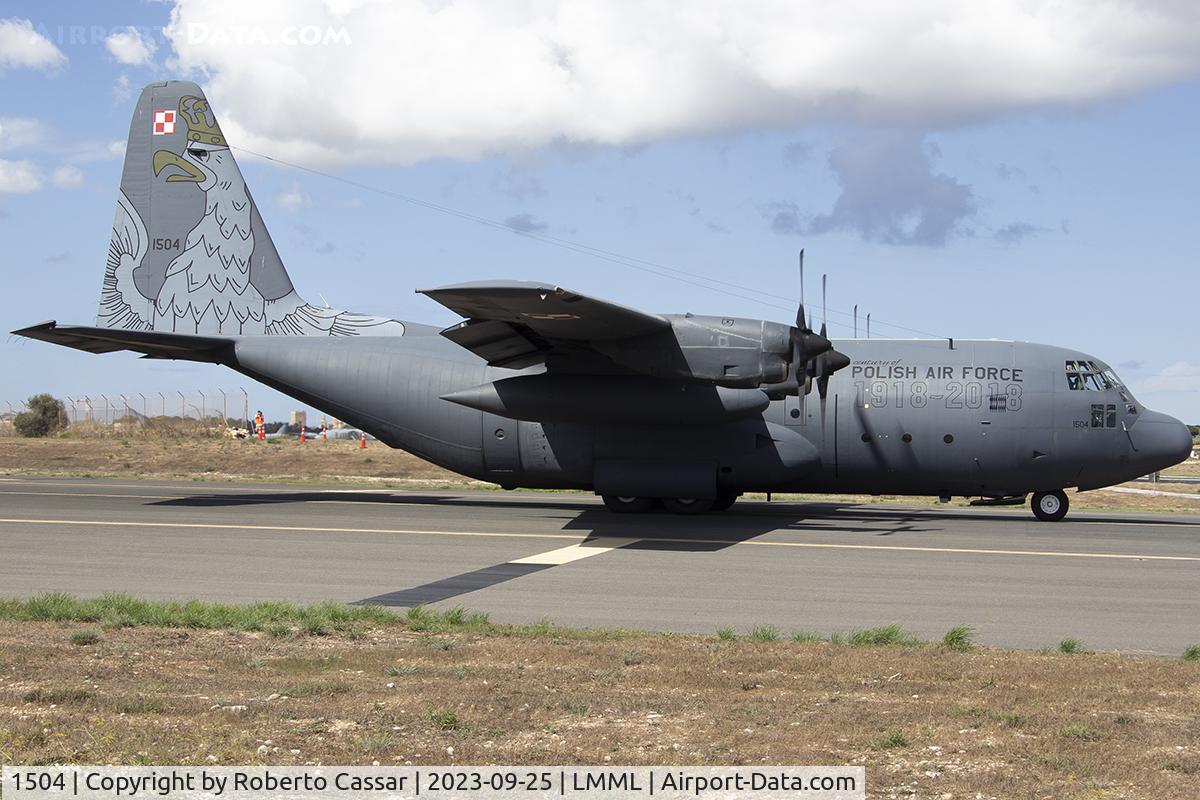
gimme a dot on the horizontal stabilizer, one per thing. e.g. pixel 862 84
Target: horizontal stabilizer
pixel 155 344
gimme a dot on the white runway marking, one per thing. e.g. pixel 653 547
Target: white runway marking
pixel 676 540
pixel 573 552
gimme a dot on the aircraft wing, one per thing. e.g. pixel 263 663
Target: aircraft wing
pixel 515 324
pixel 152 344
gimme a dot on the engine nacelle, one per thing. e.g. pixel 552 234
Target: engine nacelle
pixel 727 351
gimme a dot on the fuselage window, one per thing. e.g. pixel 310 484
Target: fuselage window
pixel 1104 415
pixel 1090 376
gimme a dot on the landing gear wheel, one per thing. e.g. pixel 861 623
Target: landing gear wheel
pixel 1049 506
pixel 688 505
pixel 628 505
pixel 724 501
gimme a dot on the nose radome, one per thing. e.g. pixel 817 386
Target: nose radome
pixel 1161 440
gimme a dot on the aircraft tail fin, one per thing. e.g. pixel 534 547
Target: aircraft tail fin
pixel 189 252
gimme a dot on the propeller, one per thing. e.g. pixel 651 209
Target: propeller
pixel 806 346
pixel 812 354
pixel 829 361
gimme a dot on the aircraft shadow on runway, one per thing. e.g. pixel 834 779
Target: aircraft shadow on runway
pixel 658 531
pixel 744 521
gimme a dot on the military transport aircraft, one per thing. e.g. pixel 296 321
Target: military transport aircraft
pixel 541 387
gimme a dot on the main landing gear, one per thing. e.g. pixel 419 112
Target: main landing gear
pixel 1049 506
pixel 675 505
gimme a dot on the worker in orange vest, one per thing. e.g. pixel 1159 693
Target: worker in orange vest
pixel 260 425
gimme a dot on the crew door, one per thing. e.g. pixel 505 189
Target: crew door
pixel 501 449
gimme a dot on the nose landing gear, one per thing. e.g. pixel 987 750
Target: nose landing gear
pixel 1049 506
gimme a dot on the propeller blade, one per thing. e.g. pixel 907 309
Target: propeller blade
pixel 800 311
pixel 824 305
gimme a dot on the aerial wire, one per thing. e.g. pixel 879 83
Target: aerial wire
pixel 651 267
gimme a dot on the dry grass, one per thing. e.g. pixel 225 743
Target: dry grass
pixel 926 721
pixel 210 457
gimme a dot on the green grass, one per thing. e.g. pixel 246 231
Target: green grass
pixel 887 635
pixel 959 638
pixel 398 670
pixel 281 619
pixel 57 696
pixel 1009 718
pixel 317 689
pixel 764 633
pixel 807 637
pixel 1071 647
pixel 140 705
pixel 889 741
pixel 1192 653
pixel 726 634
pixel 121 610
pixel 1080 730
pixel 445 719
pixel 84 637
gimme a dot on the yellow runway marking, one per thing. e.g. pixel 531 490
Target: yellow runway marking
pixel 95 494
pixel 287 528
pixel 681 540
pixel 184 496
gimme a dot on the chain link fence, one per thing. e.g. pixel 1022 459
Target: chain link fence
pixel 231 406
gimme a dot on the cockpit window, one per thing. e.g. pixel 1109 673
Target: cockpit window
pixel 1090 376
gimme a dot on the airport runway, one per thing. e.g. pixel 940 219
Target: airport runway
pixel 1114 581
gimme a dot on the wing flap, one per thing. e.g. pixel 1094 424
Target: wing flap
pixel 500 344
pixel 549 311
pixel 155 344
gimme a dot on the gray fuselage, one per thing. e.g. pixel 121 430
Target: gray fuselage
pixel 989 418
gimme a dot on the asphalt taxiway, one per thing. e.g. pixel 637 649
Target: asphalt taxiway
pixel 1115 581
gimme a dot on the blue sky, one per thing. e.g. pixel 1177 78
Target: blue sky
pixel 1066 217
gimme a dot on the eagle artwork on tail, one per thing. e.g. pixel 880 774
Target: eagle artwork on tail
pixel 209 287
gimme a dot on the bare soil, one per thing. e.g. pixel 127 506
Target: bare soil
pixel 926 722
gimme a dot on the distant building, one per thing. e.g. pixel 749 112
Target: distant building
pixel 299 419
pixel 336 423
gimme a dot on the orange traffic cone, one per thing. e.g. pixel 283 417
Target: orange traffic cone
pixel 362 442
pixel 302 433
pixel 324 438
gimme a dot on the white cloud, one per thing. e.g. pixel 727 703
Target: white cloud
pixel 131 47
pixel 19 176
pixel 1178 377
pixel 67 176
pixel 29 135
pixel 401 82
pixel 121 89
pixel 22 46
pixel 292 199
pixel 22 132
